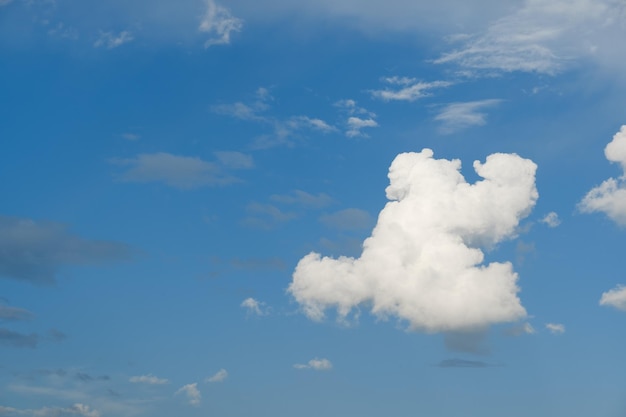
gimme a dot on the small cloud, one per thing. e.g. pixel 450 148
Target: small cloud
pixel 555 328
pixel 462 363
pixel 266 216
pixel 459 116
pixel 610 196
pixel 219 23
pixel 235 160
pixel 191 391
pixel 18 340
pixel 349 106
pixel 355 124
pixel 56 335
pixel 9 313
pixel 615 298
pixel 148 379
pixel 551 220
pixel 348 219
pixel 219 376
pixel 110 40
pixel 520 329
pixel 316 364
pixel 254 307
pixel 409 89
pixel 131 136
pixel 303 198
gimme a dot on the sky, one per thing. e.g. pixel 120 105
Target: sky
pixel 376 208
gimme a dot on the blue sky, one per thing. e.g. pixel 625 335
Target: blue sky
pixel 237 207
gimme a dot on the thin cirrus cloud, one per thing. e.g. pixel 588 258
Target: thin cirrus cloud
pixel 110 40
pixel 615 298
pixel 315 364
pixel 182 172
pixel 219 376
pixel 543 37
pixel 304 199
pixel 77 409
pixel 148 379
pixel 458 116
pixel 406 89
pixel 35 251
pixel 10 313
pixel 423 263
pixel 219 24
pixel 555 328
pixel 610 196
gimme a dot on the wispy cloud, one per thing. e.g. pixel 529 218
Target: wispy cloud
pixel 219 24
pixel 111 40
pixel 551 220
pixel 192 393
pixel 458 116
pixel 18 340
pixel 315 364
pixel 266 216
pixel 255 307
pixel 407 89
pixel 356 124
pixel 9 313
pixel 148 379
pixel 302 198
pixel 74 410
pixel 219 376
pixel 347 219
pixel 615 298
pixel 555 328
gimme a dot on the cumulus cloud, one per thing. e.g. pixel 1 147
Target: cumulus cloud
pixel 219 23
pixel 423 262
pixel 183 172
pixel 191 392
pixel 551 219
pixel 219 376
pixel 610 196
pixel 34 251
pixel 348 219
pixel 615 298
pixel 254 307
pixel 458 116
pixel 148 379
pixel 543 37
pixel 555 328
pixel 110 40
pixel 315 364
pixel 407 89
pixel 75 410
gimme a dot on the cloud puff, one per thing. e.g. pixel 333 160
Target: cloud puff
pixel 422 262
pixel 458 116
pixel 148 379
pixel 219 376
pixel 356 124
pixel 407 89
pixel 183 172
pixel 316 364
pixel 555 328
pixel 610 196
pixel 219 23
pixel 254 307
pixel 615 298
pixel 551 219
pixel 544 37
pixel 191 391
pixel 110 41
pixel 34 251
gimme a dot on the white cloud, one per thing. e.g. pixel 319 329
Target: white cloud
pixel 551 219
pixel 75 410
pixel 299 122
pixel 316 364
pixel 355 124
pixel 422 262
pixel 615 298
pixel 191 391
pixel 348 219
pixel 184 172
pixel 610 196
pixel 544 37
pixel 410 89
pixel 110 40
pixel 555 328
pixel 219 23
pixel 219 376
pixel 148 379
pixel 254 307
pixel 458 116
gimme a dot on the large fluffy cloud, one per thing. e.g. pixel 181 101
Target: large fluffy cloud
pixel 610 196
pixel 422 262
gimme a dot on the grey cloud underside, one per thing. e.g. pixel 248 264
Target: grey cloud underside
pixel 34 252
pixel 9 338
pixel 9 313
